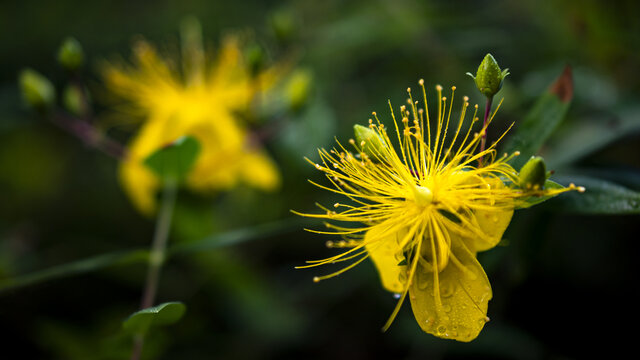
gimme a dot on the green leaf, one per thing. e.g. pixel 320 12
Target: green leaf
pixel 136 256
pixel 76 267
pixel 600 197
pixel 546 114
pixel 535 200
pixel 591 134
pixel 173 161
pixel 163 314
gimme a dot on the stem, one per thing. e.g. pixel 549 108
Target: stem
pixel 487 111
pixel 89 135
pixel 157 255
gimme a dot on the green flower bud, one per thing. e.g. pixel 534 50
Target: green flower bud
pixel 74 100
pixel 283 25
pixel 489 76
pixel 70 54
pixel 369 142
pixel 298 89
pixel 254 55
pixel 37 90
pixel 533 174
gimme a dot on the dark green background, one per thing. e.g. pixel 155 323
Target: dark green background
pixel 565 286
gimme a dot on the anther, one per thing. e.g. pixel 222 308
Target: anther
pixel 336 205
pixel 453 88
pixel 408 89
pixel 316 279
pixel 517 153
pixel 421 82
pixel 439 87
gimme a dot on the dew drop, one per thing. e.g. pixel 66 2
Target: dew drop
pixel 446 307
pixel 397 296
pixel 447 289
pixel 441 329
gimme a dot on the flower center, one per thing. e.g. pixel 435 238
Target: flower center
pixel 422 195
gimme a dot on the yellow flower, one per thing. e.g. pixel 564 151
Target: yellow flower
pixel 203 101
pixel 423 209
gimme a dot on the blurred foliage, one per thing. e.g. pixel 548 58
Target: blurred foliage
pixel 562 281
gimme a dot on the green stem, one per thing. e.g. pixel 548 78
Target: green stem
pixel 157 255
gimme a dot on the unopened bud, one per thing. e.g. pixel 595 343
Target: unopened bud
pixel 283 25
pixel 370 141
pixel 489 76
pixel 37 90
pixel 70 54
pixel 75 100
pixel 533 174
pixel 254 55
pixel 298 89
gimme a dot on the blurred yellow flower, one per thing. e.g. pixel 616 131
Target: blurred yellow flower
pixel 423 209
pixel 203 100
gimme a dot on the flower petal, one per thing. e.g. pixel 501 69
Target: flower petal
pixel 451 304
pixel 493 224
pixel 382 247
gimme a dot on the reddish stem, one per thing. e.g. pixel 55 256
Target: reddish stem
pixel 483 142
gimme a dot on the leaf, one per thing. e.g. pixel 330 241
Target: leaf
pixel 173 161
pixel 546 114
pixel 535 200
pixel 135 256
pixel 76 267
pixel 164 314
pixel 600 197
pixel 590 135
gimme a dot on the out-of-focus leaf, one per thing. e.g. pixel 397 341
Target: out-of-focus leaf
pixel 590 135
pixel 140 255
pixel 174 161
pixel 600 197
pixel 76 267
pixel 534 200
pixel 546 114
pixel 164 314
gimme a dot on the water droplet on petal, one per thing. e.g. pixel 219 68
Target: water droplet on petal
pixel 447 289
pixel 397 296
pixel 446 307
pixel 441 329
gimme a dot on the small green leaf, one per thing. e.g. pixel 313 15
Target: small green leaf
pixel 600 197
pixel 163 314
pixel 535 200
pixel 174 161
pixel 546 114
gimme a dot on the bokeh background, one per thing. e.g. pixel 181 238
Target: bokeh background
pixel 565 283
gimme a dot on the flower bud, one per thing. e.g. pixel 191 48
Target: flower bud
pixel 70 54
pixel 74 100
pixel 283 25
pixel 489 76
pixel 37 90
pixel 254 55
pixel 533 174
pixel 369 141
pixel 298 89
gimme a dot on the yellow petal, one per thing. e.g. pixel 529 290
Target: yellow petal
pixel 451 304
pixel 493 224
pixel 383 250
pixel 258 170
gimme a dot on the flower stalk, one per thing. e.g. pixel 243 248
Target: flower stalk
pixel 157 255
